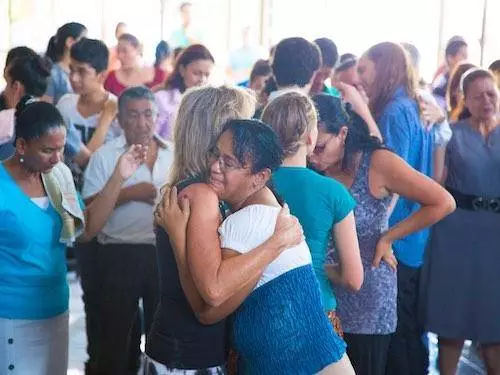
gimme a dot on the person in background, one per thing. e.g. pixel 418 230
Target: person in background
pixel 329 59
pixel 322 205
pixel 260 73
pixel 495 69
pixel 192 68
pixel 27 74
pixel 456 51
pixel 89 115
pixel 434 116
pixel 346 70
pixel 346 152
pixel 40 215
pixel 114 62
pixel 176 53
pixel 388 78
pixel 163 58
pixel 185 36
pixel 243 58
pixel 461 267
pixel 59 84
pixel 132 71
pixel 127 269
pixel 294 65
pixel 89 111
pixel 14 53
pixel 454 94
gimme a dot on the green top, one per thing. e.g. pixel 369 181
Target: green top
pixel 319 203
pixel 330 90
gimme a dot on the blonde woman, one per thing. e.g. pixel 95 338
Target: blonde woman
pixel 178 342
pixel 323 206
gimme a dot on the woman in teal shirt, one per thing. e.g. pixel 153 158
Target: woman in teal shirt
pixel 322 205
pixel 33 288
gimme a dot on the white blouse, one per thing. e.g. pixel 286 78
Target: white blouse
pixel 249 228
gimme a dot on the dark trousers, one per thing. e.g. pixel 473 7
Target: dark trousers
pixel 127 273
pixel 408 350
pixel 368 353
pixel 87 258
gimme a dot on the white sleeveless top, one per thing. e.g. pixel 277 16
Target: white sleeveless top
pixel 249 228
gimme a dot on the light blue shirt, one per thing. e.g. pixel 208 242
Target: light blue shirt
pixel 59 83
pixel 32 260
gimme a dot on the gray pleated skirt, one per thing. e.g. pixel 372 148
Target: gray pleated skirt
pixel 34 347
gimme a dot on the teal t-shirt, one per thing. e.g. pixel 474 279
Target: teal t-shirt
pixel 330 90
pixel 319 203
pixel 32 259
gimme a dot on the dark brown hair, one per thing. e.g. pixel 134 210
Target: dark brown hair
pixel 134 42
pixel 187 56
pixel 454 103
pixel 393 70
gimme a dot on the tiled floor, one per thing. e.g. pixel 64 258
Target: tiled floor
pixel 469 363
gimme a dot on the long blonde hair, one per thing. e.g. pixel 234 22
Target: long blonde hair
pixel 292 116
pixel 202 113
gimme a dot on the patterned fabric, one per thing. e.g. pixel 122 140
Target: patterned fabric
pixel 152 367
pixel 336 324
pixel 371 310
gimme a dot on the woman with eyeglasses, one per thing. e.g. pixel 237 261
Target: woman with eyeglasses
pixel 462 266
pixel 280 327
pixel 185 336
pixel 346 152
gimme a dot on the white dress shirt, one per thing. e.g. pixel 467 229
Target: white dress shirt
pixel 132 222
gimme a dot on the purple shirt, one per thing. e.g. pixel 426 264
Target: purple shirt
pixel 167 102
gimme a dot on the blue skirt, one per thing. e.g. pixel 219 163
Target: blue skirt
pixel 281 328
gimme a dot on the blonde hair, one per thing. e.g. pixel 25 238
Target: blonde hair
pixel 292 116
pixel 202 113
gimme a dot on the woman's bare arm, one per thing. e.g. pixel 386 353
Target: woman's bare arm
pixel 399 178
pixel 216 279
pixel 349 273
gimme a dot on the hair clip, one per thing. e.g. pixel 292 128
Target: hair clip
pixel 466 74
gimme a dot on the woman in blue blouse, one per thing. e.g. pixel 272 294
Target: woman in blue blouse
pixel 39 213
pixel 388 78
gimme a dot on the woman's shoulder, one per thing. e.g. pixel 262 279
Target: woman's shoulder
pixel 252 224
pixel 197 191
pixel 254 216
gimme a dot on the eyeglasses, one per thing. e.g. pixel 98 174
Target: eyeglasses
pixel 226 163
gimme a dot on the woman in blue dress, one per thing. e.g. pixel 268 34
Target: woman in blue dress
pixel 461 266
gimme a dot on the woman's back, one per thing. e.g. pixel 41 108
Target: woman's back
pixel 177 339
pixel 250 227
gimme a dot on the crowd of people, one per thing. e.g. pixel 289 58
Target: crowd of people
pixel 321 217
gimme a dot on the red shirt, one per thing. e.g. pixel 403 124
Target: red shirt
pixel 116 87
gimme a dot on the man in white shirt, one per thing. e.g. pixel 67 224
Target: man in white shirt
pixel 127 267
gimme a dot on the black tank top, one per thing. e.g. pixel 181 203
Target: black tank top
pixel 177 339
